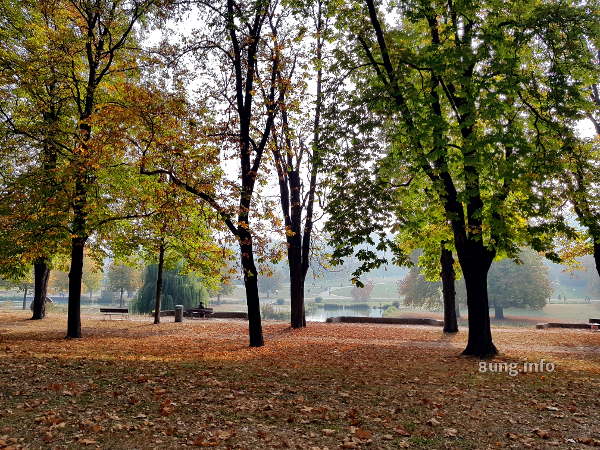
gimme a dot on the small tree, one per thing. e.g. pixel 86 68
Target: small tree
pixel 92 275
pixel 523 285
pixel 270 283
pixel 122 278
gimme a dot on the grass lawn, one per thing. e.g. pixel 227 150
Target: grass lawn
pixel 130 384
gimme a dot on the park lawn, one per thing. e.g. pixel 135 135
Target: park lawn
pixel 131 384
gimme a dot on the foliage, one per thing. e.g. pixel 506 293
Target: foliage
pixel 122 277
pixel 178 289
pixel 522 284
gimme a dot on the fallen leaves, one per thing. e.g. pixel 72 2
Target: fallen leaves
pixel 349 386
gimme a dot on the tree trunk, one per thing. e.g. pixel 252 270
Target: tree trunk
pixel 597 255
pixel 159 282
pixel 297 294
pixel 251 285
pixel 41 273
pixel 25 299
pixel 498 312
pixel 457 310
pixel 75 275
pixel 121 299
pixel 449 293
pixel 480 342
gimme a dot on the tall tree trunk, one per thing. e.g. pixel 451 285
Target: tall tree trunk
pixel 297 293
pixel 251 285
pixel 457 310
pixel 159 282
pixel 25 298
pixel 121 299
pixel 498 312
pixel 41 273
pixel 448 291
pixel 597 253
pixel 480 342
pixel 75 275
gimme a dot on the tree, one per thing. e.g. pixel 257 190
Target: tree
pixel 59 282
pixel 236 51
pixel 108 28
pixel 22 283
pixel 296 147
pixel 521 285
pixel 450 84
pixel 92 275
pixel 178 289
pixel 270 283
pixel 122 278
pixel 34 110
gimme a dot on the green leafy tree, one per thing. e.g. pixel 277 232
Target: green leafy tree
pixel 92 275
pixel 522 285
pixel 122 278
pixel 447 87
pixel 178 289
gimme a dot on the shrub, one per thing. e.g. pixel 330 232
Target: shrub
pixel 268 312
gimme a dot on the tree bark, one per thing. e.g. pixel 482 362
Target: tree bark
pixel 41 273
pixel 25 298
pixel 251 285
pixel 498 312
pixel 159 282
pixel 121 299
pixel 480 342
pixel 449 292
pixel 75 275
pixel 597 255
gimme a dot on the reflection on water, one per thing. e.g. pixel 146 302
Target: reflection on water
pixel 320 314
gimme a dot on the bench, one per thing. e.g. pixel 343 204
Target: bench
pixel 122 312
pixel 198 312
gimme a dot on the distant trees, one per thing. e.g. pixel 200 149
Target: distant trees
pixel 122 278
pixel 270 283
pixel 177 289
pixel 522 284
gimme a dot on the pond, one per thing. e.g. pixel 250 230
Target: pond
pixel 319 313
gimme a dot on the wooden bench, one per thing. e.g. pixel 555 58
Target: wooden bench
pixel 198 312
pixel 122 312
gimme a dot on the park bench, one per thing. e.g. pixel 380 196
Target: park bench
pixel 595 321
pixel 198 312
pixel 122 312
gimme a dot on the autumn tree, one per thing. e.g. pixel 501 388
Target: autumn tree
pixel 296 142
pixel 122 278
pixel 449 83
pixel 34 111
pixel 234 52
pixel 92 275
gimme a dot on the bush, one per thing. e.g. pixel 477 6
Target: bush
pixel 279 301
pixel 396 304
pixel 318 299
pixel 389 311
pixel 268 312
